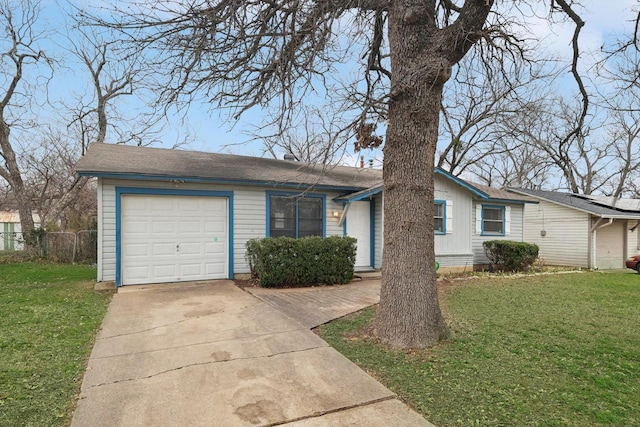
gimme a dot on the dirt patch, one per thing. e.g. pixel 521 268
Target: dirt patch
pixel 246 283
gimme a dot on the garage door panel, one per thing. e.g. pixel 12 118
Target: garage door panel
pixel 137 273
pixel 215 268
pixel 211 226
pixel 191 271
pixel 136 250
pixel 161 204
pixel 160 249
pixel 163 228
pixel 191 248
pixel 190 204
pixel 215 248
pixel 164 273
pixel 137 204
pixel 193 226
pixel 136 227
pixel 173 238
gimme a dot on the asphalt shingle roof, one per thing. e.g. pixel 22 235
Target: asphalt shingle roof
pixel 110 160
pixel 501 194
pixel 122 160
pixel 580 202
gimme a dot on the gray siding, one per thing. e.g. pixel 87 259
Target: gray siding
pixel 249 222
pixel 249 218
pixel 515 228
pixel 566 239
pixel 456 261
pixel 457 240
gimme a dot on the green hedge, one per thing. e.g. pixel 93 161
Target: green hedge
pixel 287 262
pixel 509 255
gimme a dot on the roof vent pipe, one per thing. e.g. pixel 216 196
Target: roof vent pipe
pixel 290 156
pixel 361 162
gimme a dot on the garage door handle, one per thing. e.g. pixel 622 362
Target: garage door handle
pixel 178 248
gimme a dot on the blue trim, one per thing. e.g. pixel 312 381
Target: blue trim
pixel 372 231
pixel 170 192
pixel 462 183
pixel 504 220
pixel 344 222
pixel 172 178
pixel 510 201
pixel 268 195
pixel 364 194
pixel 444 216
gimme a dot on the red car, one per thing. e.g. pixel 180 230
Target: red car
pixel 634 263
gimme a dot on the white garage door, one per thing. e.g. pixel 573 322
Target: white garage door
pixel 173 238
pixel 610 246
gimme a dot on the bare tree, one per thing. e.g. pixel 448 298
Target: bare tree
pixel 92 116
pixel 314 137
pixel 514 165
pixel 624 137
pixel 19 50
pixel 240 55
pixel 477 105
pixel 622 103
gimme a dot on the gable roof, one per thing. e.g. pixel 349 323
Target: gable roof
pixel 579 202
pixel 501 195
pixel 122 161
pixel 132 162
pixel 485 192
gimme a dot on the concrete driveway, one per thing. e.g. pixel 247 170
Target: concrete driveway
pixel 210 354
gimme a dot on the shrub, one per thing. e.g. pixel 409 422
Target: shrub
pixel 287 262
pixel 509 255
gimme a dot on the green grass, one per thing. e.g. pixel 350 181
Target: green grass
pixel 560 350
pixel 49 315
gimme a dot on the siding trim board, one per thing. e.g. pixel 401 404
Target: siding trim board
pixel 372 232
pixel 170 192
pixel 182 179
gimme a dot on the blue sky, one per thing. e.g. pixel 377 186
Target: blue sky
pixel 211 132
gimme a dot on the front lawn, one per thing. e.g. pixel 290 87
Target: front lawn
pixel 541 351
pixel 49 315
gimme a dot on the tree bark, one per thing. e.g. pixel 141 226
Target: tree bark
pixel 14 177
pixel 409 314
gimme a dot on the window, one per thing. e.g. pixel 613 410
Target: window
pixel 294 216
pixel 493 220
pixel 439 224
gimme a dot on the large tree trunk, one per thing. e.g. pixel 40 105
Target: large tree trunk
pixel 409 314
pixel 14 177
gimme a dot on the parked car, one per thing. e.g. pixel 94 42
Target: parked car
pixel 634 263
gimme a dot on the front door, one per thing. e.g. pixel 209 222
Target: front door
pixel 359 226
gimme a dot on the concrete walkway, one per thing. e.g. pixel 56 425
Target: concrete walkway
pixel 318 305
pixel 209 354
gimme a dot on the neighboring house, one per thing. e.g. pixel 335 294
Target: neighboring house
pixel 582 231
pixel 171 215
pixel 11 230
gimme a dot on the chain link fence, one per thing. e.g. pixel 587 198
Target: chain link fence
pixel 60 246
